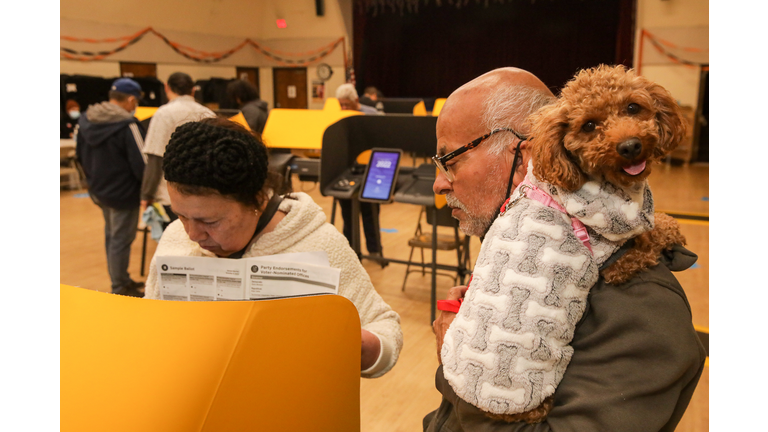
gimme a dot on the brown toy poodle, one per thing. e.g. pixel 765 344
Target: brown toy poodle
pixel 610 122
pixel 613 124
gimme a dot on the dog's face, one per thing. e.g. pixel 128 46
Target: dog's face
pixel 607 122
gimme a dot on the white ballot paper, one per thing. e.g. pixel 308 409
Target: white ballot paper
pixel 209 279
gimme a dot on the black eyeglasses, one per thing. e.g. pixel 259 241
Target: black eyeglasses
pixel 442 161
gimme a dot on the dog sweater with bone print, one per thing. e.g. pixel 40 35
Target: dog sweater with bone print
pixel 508 347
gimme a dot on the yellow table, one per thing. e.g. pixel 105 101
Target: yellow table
pixel 300 128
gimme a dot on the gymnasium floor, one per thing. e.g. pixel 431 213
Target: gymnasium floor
pixel 399 400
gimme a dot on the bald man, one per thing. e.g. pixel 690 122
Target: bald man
pixel 636 358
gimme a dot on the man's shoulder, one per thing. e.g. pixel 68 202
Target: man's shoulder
pixel 661 275
pixel 183 105
pixel 255 105
pixel 655 291
pixel 365 109
pixel 177 114
pixel 188 102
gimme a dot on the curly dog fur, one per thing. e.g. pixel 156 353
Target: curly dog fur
pixel 567 150
pixel 609 122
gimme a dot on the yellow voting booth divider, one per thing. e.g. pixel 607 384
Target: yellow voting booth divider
pixel 300 128
pixel 420 109
pixel 131 364
pixel 239 118
pixel 332 103
pixel 438 106
pixel 143 113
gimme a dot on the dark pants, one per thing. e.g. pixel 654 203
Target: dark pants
pixel 119 232
pixel 369 213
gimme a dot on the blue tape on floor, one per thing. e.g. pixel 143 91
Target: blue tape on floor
pixel 695 265
pixel 705 198
pixel 81 195
pixel 389 230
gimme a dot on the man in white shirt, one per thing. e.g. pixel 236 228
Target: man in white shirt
pixel 349 100
pixel 181 108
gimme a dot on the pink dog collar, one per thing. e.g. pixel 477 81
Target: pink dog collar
pixel 528 190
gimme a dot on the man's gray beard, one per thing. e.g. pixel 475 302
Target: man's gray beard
pixel 473 225
pixel 477 225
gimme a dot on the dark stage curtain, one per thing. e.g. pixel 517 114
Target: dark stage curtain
pixel 434 51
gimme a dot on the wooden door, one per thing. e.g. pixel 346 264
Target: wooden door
pixel 250 74
pixel 135 70
pixel 290 86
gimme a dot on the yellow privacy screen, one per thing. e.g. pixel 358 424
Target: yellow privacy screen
pixel 300 128
pixel 131 364
pixel 239 118
pixel 438 106
pixel 143 113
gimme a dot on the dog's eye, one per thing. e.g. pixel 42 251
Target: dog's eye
pixel 588 126
pixel 633 108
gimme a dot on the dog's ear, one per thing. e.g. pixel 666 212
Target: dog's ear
pixel 669 118
pixel 551 162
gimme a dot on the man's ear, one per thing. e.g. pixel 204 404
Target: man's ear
pixel 513 145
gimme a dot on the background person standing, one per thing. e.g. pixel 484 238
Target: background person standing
pixel 255 110
pixel 181 108
pixel 110 144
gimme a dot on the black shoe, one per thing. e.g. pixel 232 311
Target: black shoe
pixel 138 286
pixel 376 256
pixel 132 290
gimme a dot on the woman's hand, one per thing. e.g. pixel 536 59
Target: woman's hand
pixel 440 325
pixel 370 349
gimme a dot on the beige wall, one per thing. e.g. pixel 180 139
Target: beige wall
pixel 99 68
pixel 217 17
pixel 685 23
pixel 215 25
pixel 241 18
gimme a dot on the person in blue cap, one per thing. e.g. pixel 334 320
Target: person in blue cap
pixel 109 147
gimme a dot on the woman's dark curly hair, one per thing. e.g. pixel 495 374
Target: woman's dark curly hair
pixel 217 155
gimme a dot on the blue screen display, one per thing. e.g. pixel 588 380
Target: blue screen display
pixel 381 174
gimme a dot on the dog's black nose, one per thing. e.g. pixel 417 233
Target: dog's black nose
pixel 630 148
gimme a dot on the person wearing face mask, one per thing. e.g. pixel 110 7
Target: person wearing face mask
pixel 69 118
pixel 110 143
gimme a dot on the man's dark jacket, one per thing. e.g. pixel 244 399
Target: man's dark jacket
pixel 636 362
pixel 109 148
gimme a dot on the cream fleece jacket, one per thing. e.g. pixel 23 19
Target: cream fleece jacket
pixel 304 229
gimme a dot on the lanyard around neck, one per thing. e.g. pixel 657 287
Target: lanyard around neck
pixel 529 190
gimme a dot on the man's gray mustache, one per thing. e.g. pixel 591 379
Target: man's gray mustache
pixel 454 202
